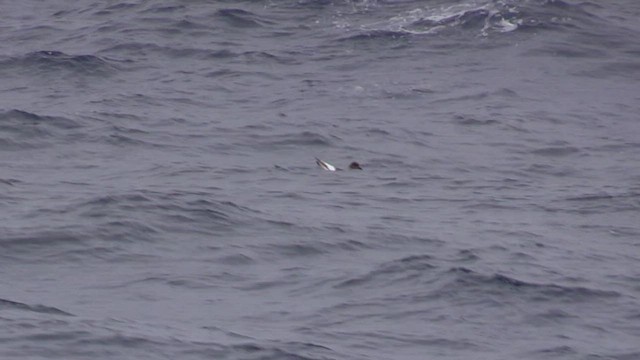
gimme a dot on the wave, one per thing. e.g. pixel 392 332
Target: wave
pixel 239 18
pixel 569 352
pixel 556 151
pixel 45 239
pixel 9 182
pixel 155 9
pixel 304 138
pixel 177 207
pixel 36 245
pixel 597 203
pixel 138 340
pixel 112 223
pixel 132 48
pixel 8 304
pixel 376 34
pixel 24 124
pixel 467 281
pixel 482 18
pixel 52 62
pixel 392 272
pixel 135 49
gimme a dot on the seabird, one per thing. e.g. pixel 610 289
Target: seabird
pixel 326 166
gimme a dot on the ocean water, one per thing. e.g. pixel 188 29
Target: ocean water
pixel 159 197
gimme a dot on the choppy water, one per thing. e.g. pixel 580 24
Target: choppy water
pixel 159 197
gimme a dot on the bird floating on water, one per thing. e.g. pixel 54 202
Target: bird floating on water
pixel 326 166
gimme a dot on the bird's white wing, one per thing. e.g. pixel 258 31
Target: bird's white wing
pixel 325 165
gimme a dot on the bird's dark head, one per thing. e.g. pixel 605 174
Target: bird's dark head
pixel 355 166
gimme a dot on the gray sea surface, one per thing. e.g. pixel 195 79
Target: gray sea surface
pixel 159 196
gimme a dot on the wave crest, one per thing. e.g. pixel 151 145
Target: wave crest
pixel 55 61
pixel 480 18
